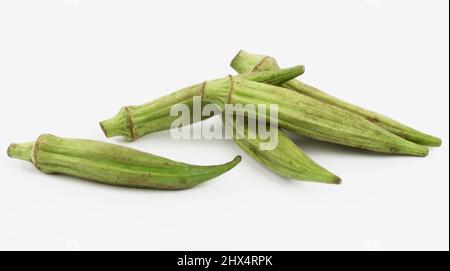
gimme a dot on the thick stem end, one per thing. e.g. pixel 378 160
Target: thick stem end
pixel 21 151
pixel 119 125
pixel 245 62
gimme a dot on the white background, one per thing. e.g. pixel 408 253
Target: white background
pixel 66 65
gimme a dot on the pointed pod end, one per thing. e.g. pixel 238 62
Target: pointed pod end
pixel 229 165
pixel 435 142
pixel 236 160
pixel 324 177
pixel 406 147
pixel 300 68
pixel 424 152
pixel 336 180
pixel 329 179
pixel 415 150
pixel 424 139
pixel 438 142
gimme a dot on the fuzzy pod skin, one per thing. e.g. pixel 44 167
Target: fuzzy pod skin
pixel 286 159
pixel 245 62
pixel 113 164
pixel 309 117
pixel 133 122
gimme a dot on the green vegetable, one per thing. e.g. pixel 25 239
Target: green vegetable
pixel 245 62
pixel 286 159
pixel 113 164
pixel 133 122
pixel 309 117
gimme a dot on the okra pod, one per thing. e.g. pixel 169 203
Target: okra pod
pixel 133 122
pixel 245 62
pixel 113 164
pixel 309 117
pixel 286 159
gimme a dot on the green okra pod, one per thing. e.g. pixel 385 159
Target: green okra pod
pixel 309 117
pixel 286 159
pixel 113 164
pixel 133 122
pixel 245 62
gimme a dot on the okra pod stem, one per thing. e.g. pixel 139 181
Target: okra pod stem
pixel 113 164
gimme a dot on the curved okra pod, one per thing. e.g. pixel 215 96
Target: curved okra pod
pixel 286 159
pixel 309 117
pixel 133 122
pixel 113 164
pixel 245 62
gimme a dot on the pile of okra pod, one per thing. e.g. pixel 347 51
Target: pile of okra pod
pixel 302 109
